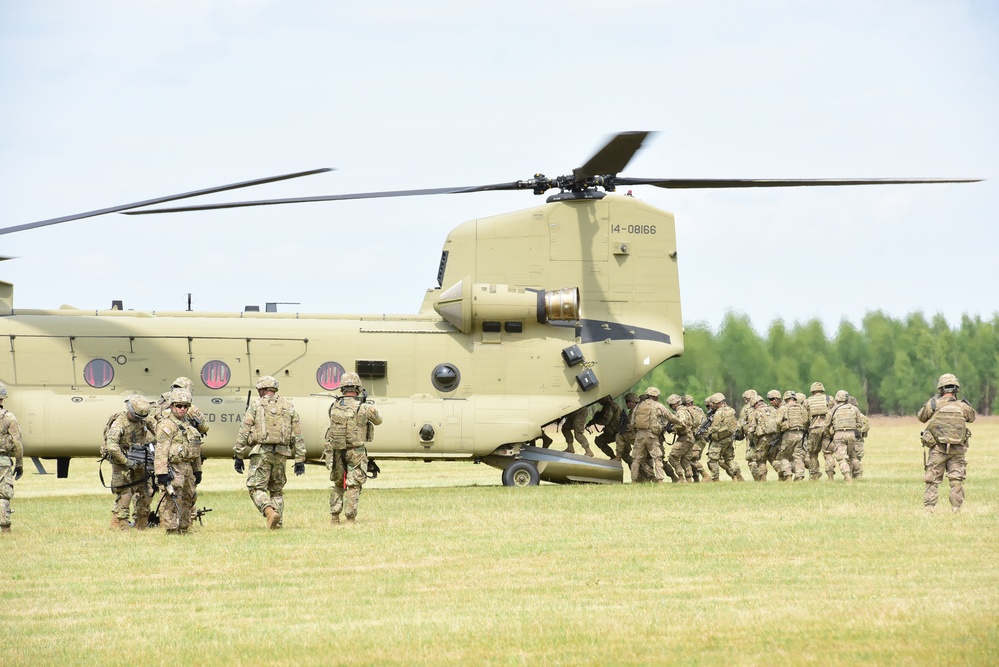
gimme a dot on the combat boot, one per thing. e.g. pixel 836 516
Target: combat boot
pixel 273 518
pixel 738 477
pixel 350 519
pixel 141 522
pixel 335 520
pixel 4 529
pixel 832 476
pixel 118 524
pixel 588 452
pixel 570 449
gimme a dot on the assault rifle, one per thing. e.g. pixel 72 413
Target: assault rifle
pixel 198 513
pixel 702 430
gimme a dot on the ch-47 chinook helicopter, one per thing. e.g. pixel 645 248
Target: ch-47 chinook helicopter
pixel 535 313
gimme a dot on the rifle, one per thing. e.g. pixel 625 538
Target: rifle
pixel 773 444
pixel 705 425
pixel 198 513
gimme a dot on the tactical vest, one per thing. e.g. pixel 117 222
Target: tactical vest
pixel 6 439
pixel 349 423
pixel 818 405
pixel 647 418
pixel 724 424
pixel 794 417
pixel 844 418
pixel 766 421
pixel 273 421
pixel 947 425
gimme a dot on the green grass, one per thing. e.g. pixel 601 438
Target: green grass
pixel 446 567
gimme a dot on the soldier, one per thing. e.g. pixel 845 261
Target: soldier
pixel 128 442
pixel 819 405
pixel 608 416
pixel 625 432
pixel 177 463
pixel 745 431
pixel 195 417
pixel 647 420
pixel 841 433
pixel 270 433
pixel 682 426
pixel 352 423
pixel 721 451
pixel 946 436
pixel 11 459
pixel 792 420
pixel 856 453
pixel 773 451
pixel 575 426
pixel 761 432
pixel 697 417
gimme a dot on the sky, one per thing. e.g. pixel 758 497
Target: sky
pixel 110 102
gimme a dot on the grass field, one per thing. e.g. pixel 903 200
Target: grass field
pixel 444 566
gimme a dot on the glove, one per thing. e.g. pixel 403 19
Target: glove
pixel 300 468
pixel 197 477
pixel 238 466
pixel 18 471
pixel 163 480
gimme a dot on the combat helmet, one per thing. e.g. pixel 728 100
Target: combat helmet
pixel 673 399
pixel 841 396
pixel 817 386
pixel 180 397
pixel 772 394
pixel 653 392
pixel 789 394
pixel 631 396
pixel 267 382
pixel 183 383
pixel 688 399
pixel 948 380
pixel 3 391
pixel 749 394
pixel 351 380
pixel 717 398
pixel 137 406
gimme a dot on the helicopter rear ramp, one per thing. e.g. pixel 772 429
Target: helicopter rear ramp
pixel 526 466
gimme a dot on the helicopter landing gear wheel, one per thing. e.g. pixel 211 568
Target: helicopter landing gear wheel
pixel 521 473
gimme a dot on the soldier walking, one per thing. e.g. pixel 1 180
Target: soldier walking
pixel 177 463
pixel 819 405
pixel 792 419
pixel 574 428
pixel 128 441
pixel 647 420
pixel 761 430
pixel 11 459
pixel 946 436
pixel 352 424
pixel 773 448
pixel 271 432
pixel 841 431
pixel 721 451
pixel 609 417
pixel 625 439
pixel 683 428
pixel 856 452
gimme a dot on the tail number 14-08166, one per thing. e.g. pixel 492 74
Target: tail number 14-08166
pixel 634 229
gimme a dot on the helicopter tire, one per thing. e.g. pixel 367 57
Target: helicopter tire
pixel 521 473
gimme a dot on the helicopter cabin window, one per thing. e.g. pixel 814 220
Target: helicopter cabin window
pixel 98 373
pixel 329 374
pixel 215 374
pixel 445 377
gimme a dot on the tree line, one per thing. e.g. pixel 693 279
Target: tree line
pixel 891 366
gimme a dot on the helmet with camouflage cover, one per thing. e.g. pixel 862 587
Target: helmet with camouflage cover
pixel 3 391
pixel 183 383
pixel 817 386
pixel 717 398
pixel 673 399
pixel 789 394
pixel 688 399
pixel 351 380
pixel 267 382
pixel 631 396
pixel 653 392
pixel 841 396
pixel 852 400
pixel 137 406
pixel 772 394
pixel 800 397
pixel 948 380
pixel 180 397
pixel 749 394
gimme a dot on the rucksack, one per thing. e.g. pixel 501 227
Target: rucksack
pixel 273 421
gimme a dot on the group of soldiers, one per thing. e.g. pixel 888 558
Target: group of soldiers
pixel 786 432
pixel 156 447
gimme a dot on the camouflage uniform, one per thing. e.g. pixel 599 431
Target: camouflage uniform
pixel 625 431
pixel 271 432
pixel 178 450
pixel 608 416
pixel 195 417
pixel 819 405
pixel 682 427
pixel 792 420
pixel 575 426
pixel 841 433
pixel 745 432
pixel 352 422
pixel 856 453
pixel 773 450
pixel 647 420
pixel 697 417
pixel 946 436
pixel 721 451
pixel 761 431
pixel 11 460
pixel 129 480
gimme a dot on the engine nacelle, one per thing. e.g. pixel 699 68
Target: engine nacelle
pixel 463 306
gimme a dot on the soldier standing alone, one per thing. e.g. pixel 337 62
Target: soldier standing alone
pixel 130 430
pixel 11 459
pixel 352 423
pixel 946 436
pixel 270 433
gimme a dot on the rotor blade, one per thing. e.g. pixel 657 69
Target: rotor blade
pixel 159 200
pixel 514 185
pixel 612 158
pixel 696 183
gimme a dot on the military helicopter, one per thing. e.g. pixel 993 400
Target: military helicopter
pixel 534 314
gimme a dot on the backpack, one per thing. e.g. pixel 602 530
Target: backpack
pixel 794 417
pixel 273 421
pixel 343 422
pixel 766 421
